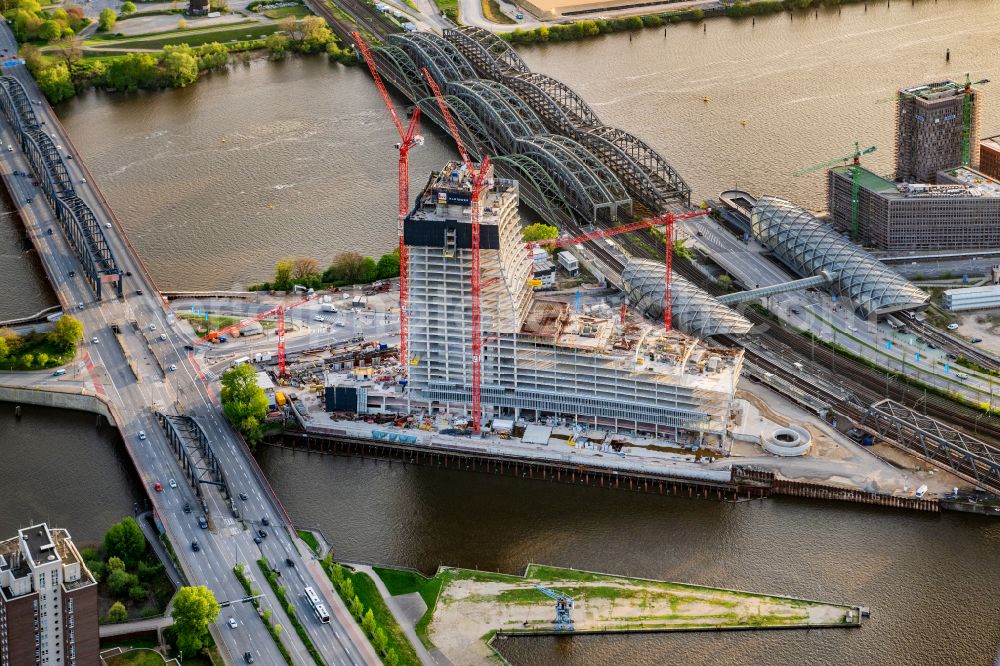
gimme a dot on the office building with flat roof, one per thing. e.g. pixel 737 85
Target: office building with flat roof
pixel 961 211
pixel 48 601
pixel 541 358
pixel 989 157
pixel 930 120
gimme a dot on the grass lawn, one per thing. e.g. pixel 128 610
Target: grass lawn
pixel 197 38
pixel 365 590
pixel 56 355
pixel 491 10
pixel 138 658
pixel 214 323
pixel 298 11
pixel 449 8
pixel 310 539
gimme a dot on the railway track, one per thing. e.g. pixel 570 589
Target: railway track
pixel 955 345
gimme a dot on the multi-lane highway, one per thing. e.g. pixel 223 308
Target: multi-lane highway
pixel 180 391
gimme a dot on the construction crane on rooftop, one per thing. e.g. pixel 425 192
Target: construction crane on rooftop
pixel 408 138
pixel 855 160
pixel 967 118
pixel 666 220
pixel 478 178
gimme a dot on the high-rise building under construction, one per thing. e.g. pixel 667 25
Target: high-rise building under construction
pixel 935 130
pixel 540 358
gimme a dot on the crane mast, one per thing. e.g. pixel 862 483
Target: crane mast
pixel 478 178
pixel 408 138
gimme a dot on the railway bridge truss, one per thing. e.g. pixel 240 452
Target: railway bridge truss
pixel 574 171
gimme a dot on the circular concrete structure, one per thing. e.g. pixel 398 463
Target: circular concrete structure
pixel 788 442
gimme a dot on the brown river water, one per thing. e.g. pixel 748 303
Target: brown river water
pixel 312 142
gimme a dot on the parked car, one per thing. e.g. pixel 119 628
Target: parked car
pixel 953 327
pixel 976 340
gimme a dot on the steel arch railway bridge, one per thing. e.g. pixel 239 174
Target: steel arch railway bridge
pixel 573 170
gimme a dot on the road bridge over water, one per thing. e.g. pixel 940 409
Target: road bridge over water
pixel 98 276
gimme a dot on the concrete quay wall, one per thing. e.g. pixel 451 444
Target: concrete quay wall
pixel 75 399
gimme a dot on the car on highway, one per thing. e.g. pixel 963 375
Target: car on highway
pixel 152 327
pixel 289 562
pixel 232 623
pixel 262 534
pixel 247 657
pixel 202 523
pixel 142 435
pixel 243 496
pixel 195 547
pixel 256 539
pixel 189 347
pixel 84 182
pixel 187 507
pixel 59 373
pixel 158 487
pixel 173 367
pixel 163 336
pixel 316 318
pixel 173 484
pixel 94 340
pixel 952 327
pixel 107 225
pixel 138 292
pixel 29 201
pixel 72 273
pixel 47 231
pixel 265 521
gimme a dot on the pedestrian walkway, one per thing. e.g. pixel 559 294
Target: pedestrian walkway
pixel 407 609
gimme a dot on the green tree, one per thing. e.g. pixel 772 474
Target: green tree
pixel 56 84
pixel 117 613
pixel 277 630
pixel 388 265
pixel 137 593
pixel 267 615
pixel 243 402
pixel 49 30
pixel 67 332
pixel 42 359
pixel 276 45
pixel 725 282
pixel 538 232
pixel 368 622
pixel 180 67
pixel 369 270
pixel 194 609
pixel 391 658
pixel 379 639
pixel 128 7
pixel 357 608
pixel 27 360
pixel 212 56
pixel 106 20
pixel 347 587
pixel 125 540
pixel 119 581
pixel 315 34
pixel 337 574
pixel 283 273
pixel 115 564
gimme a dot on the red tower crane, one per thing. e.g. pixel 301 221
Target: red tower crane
pixel 478 178
pixel 667 220
pixel 278 310
pixel 408 138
